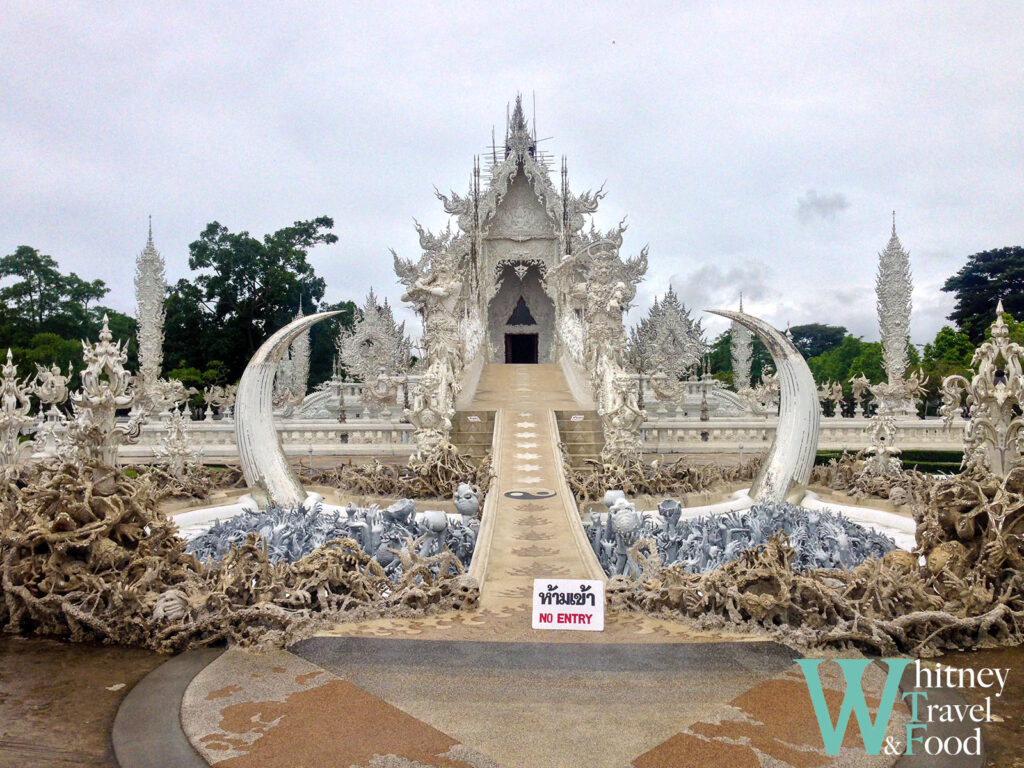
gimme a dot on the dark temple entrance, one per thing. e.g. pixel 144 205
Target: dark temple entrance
pixel 521 348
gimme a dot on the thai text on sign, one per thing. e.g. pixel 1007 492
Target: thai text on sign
pixel 568 604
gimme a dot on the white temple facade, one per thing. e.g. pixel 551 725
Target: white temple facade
pixel 520 282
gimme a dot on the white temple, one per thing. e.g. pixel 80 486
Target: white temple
pixel 520 281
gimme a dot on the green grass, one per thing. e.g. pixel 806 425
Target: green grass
pixel 929 462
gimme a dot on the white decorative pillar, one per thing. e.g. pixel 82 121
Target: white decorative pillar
pixel 893 288
pixel 742 349
pixel 150 289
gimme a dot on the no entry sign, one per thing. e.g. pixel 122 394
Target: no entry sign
pixel 568 604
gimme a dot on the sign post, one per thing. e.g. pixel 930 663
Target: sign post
pixel 568 604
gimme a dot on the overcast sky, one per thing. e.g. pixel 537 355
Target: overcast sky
pixel 754 149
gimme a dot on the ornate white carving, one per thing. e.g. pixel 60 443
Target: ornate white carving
pixel 14 409
pixel 377 353
pixel 222 398
pixel 164 395
pixel 51 387
pixel 676 346
pixel 176 450
pixel 860 385
pixel 882 454
pixel 742 350
pixel 150 290
pixel 993 437
pixel 107 387
pixel 597 280
pixel 893 288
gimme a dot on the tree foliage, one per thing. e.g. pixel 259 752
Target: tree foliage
pixel 248 288
pixel 45 314
pixel 986 278
pixel 815 339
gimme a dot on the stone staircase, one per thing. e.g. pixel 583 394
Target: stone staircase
pixel 472 432
pixel 583 438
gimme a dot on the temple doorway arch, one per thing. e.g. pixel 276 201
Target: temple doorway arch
pixel 521 316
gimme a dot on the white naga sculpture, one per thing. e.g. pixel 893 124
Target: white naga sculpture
pixel 150 291
pixel 788 464
pixel 107 387
pixel 377 353
pixel 259 444
pixel 893 288
pixel 742 351
pixel 994 396
pixel 14 409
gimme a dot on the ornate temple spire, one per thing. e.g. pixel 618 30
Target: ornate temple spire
pixel 742 349
pixel 519 140
pixel 893 288
pixel 150 289
pixel 298 351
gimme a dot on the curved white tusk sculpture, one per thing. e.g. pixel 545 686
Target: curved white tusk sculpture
pixel 259 446
pixel 791 457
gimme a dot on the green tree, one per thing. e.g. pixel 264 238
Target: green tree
pixel 38 298
pixel 190 332
pixel 815 339
pixel 253 287
pixel 986 278
pixel 851 358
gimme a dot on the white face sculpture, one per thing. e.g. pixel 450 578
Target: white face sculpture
pixel 466 502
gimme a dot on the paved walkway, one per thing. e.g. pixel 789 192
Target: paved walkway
pixel 535 516
pixel 536 530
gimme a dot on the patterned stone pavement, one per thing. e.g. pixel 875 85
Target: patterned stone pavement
pixel 408 704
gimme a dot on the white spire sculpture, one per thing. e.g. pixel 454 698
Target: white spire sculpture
pixel 893 288
pixel 742 349
pixel 150 288
pixel 292 378
pixel 299 353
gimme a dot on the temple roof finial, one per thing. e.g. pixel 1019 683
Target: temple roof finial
pixel 894 223
pixel 741 301
pixel 149 240
pixel 518 122
pixel 999 308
